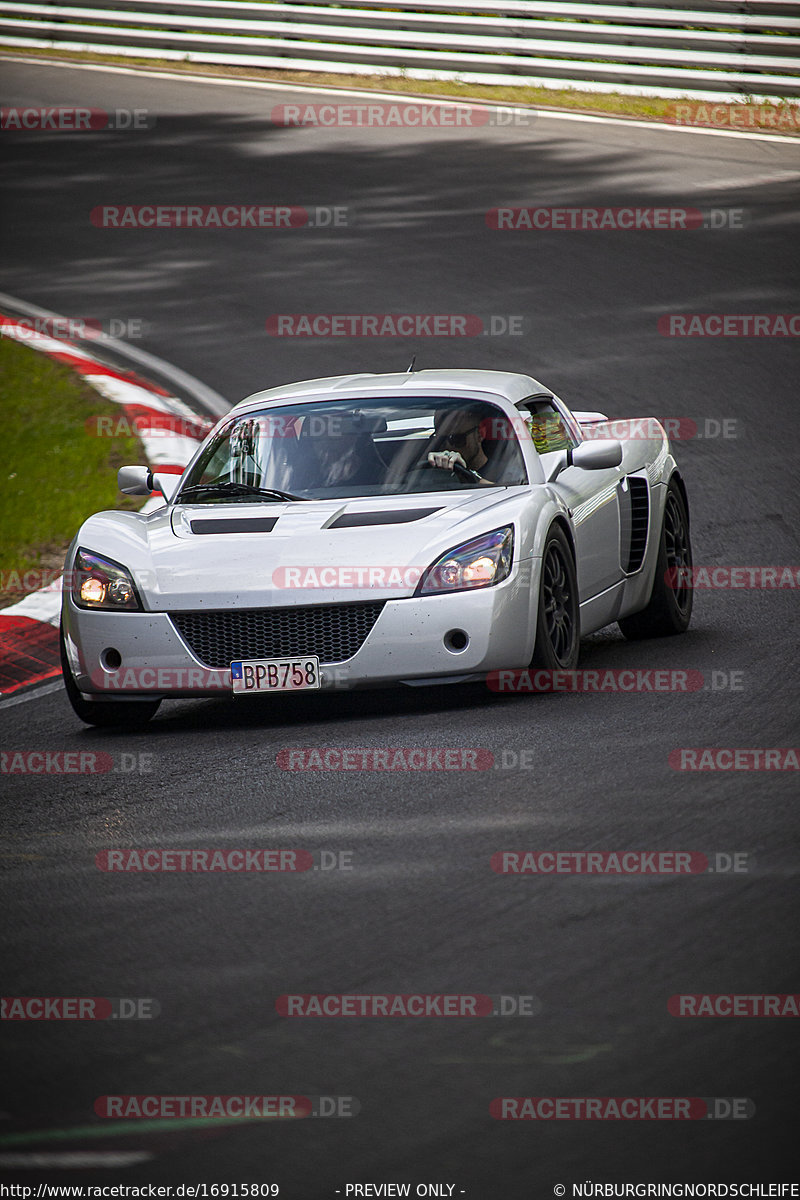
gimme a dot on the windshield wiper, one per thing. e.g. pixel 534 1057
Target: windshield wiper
pixel 231 488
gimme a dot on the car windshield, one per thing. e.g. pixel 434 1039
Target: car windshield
pixel 368 447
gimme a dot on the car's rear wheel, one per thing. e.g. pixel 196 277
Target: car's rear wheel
pixel 558 620
pixel 108 714
pixel 669 608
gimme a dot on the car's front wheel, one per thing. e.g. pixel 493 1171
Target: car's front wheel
pixel 124 714
pixel 558 620
pixel 669 608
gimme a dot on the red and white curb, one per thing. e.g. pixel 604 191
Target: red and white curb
pixel 170 432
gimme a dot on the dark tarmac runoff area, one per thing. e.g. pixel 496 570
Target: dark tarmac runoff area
pixel 198 972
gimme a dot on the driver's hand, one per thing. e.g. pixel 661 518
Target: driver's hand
pixel 446 459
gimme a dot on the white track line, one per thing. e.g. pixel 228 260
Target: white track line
pixel 47 689
pixel 408 97
pixel 206 395
pixel 73 1159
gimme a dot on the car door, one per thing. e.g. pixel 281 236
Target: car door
pixel 592 497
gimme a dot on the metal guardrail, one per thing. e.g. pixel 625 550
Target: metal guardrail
pixel 726 49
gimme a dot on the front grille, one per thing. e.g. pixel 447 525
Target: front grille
pixel 332 632
pixel 640 519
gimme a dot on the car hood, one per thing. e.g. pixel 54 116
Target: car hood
pixel 283 554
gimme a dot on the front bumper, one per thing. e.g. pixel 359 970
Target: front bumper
pixel 406 644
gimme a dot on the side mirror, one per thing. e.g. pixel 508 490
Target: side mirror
pixel 140 481
pixel 595 456
pixel 135 481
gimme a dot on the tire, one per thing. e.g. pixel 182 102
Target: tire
pixel 669 609
pixel 125 714
pixel 558 617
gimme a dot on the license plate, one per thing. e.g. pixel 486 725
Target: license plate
pixel 249 678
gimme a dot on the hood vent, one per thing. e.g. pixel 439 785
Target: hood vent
pixel 234 525
pixel 392 516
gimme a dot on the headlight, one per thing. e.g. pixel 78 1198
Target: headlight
pixel 102 583
pixel 482 562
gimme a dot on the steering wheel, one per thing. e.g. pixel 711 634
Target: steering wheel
pixel 456 469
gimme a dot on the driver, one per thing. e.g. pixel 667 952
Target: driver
pixel 458 431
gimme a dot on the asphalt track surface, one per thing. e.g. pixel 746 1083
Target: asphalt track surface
pixel 422 911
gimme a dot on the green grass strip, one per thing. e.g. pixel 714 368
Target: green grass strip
pixel 54 473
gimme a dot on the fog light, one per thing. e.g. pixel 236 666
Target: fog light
pixel 111 659
pixel 456 640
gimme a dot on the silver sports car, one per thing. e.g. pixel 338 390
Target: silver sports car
pixel 363 530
